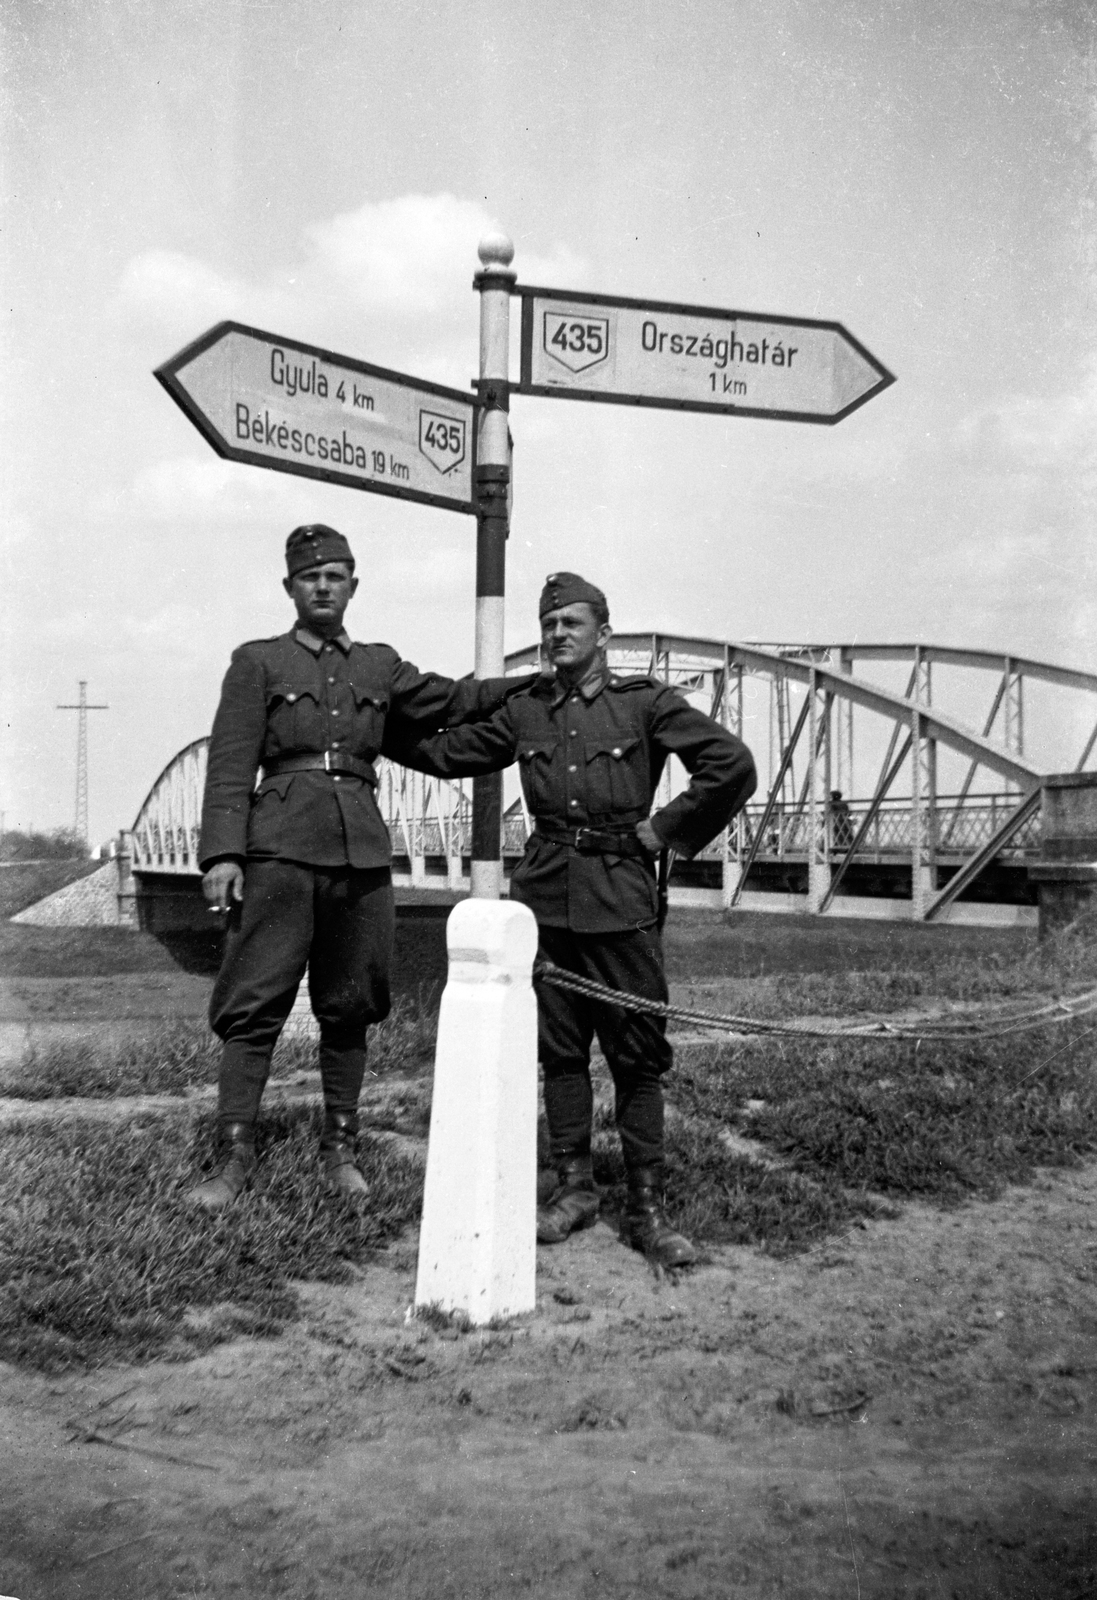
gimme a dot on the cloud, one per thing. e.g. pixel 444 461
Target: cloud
pixel 401 268
pixel 1036 435
pixel 411 256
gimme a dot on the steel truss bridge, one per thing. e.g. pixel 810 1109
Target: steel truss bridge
pixel 933 806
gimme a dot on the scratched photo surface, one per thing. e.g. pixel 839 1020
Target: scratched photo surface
pixel 802 352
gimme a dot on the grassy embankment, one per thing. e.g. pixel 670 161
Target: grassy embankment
pixel 22 883
pixel 98 1256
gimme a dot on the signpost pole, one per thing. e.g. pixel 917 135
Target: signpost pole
pixel 494 283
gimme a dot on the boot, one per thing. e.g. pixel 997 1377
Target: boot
pixel 341 1174
pixel 573 1206
pixel 645 1227
pixel 236 1158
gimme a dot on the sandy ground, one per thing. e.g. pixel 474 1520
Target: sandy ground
pixel 904 1411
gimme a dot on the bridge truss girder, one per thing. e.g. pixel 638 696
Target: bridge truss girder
pixel 812 694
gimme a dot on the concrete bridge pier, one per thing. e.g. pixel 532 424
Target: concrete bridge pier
pixel 1066 874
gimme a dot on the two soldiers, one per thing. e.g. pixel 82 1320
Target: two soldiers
pixel 302 864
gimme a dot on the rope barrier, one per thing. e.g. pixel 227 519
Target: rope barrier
pixel 987 1024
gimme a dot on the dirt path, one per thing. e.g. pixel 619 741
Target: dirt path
pixel 907 1411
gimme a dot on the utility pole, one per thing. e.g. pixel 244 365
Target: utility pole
pixel 82 706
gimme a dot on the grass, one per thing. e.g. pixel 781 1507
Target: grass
pixel 100 1258
pixel 941 973
pixel 30 952
pixel 183 1055
pixel 22 883
pixel 176 1057
pixel 939 1120
pixel 750 944
pixel 718 1196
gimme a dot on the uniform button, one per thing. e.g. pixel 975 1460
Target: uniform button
pixel 616 752
pixel 575 699
pixel 575 733
pixel 335 743
pixel 291 698
pixel 331 680
pixel 327 649
pixel 573 768
pixel 617 749
pixel 337 777
pixel 575 802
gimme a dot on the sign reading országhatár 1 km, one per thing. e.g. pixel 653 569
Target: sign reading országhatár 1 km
pixel 689 358
pixel 276 403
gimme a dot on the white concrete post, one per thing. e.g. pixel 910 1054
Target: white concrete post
pixel 477 1242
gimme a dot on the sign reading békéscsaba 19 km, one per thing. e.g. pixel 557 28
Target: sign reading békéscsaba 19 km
pixel 274 402
pixel 648 353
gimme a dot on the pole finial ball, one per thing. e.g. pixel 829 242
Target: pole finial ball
pixel 496 252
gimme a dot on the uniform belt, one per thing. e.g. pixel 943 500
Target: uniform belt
pixel 321 761
pixel 593 841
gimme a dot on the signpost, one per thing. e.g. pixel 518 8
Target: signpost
pixel 273 402
pixel 691 358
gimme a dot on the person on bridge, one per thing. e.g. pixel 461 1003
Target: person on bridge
pixel 591 746
pixel 302 862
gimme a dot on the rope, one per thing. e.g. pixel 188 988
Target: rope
pixel 986 1024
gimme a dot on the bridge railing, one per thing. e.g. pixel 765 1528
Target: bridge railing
pixel 958 824
pixel 961 825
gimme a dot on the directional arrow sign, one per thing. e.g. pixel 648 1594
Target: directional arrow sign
pixel 690 358
pixel 276 403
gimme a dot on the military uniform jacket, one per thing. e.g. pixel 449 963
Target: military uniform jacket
pixel 299 695
pixel 592 757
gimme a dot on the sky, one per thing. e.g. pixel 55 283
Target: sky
pixel 920 171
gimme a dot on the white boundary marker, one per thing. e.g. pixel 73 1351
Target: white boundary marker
pixel 477 1242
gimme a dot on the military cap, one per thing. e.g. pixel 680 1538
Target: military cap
pixel 314 543
pixel 565 588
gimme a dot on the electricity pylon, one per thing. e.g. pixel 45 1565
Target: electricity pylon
pixel 82 706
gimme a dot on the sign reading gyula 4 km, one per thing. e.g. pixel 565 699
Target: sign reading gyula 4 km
pixel 275 403
pixel 689 358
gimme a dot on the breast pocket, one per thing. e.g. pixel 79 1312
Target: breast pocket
pixel 370 709
pixel 536 758
pixel 616 777
pixel 292 717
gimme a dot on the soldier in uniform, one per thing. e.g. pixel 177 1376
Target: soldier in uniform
pixel 591 746
pixel 301 861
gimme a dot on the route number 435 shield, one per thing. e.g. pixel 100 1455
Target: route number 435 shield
pixel 443 440
pixel 576 342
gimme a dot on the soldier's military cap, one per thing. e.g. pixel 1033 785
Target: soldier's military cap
pixel 565 588
pixel 314 543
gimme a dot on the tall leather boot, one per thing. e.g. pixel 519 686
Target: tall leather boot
pixel 645 1227
pixel 235 1161
pixel 341 1174
pixel 573 1206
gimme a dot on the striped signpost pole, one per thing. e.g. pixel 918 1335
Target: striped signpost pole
pixel 495 282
